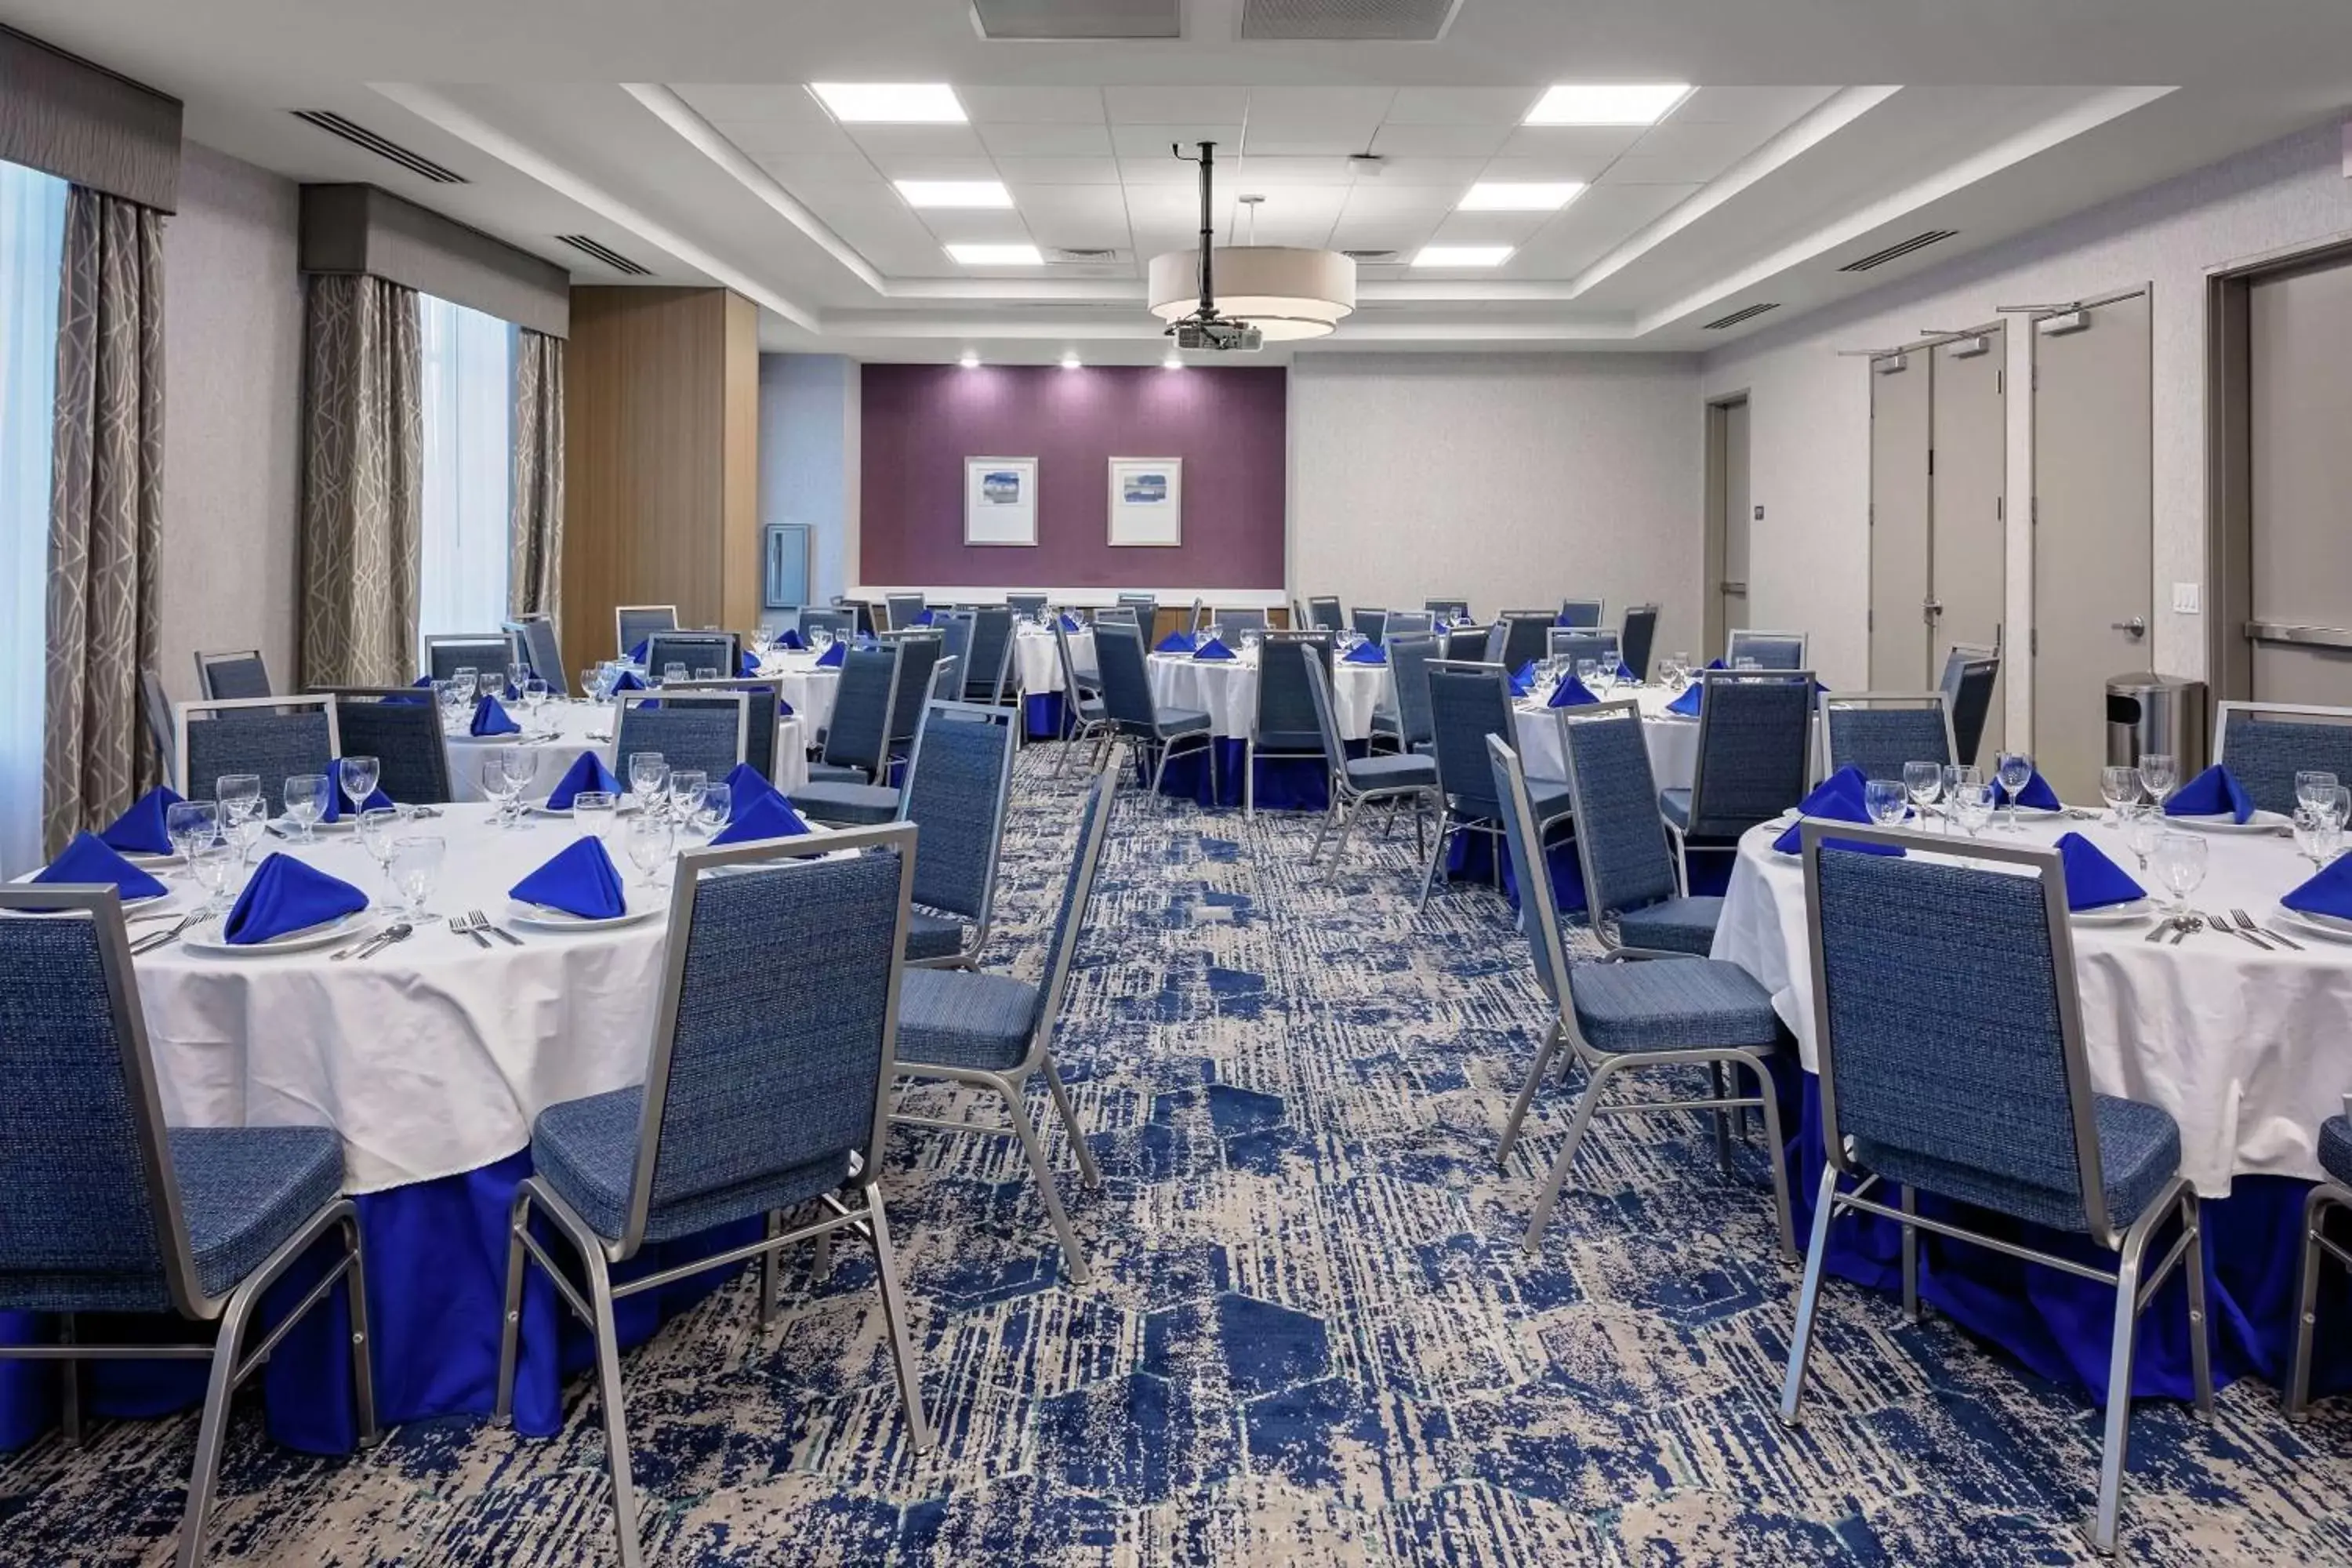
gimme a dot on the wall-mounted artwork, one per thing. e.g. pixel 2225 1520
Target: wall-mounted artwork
pixel 1000 501
pixel 1147 501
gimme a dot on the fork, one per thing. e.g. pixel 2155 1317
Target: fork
pixel 156 939
pixel 480 922
pixel 2218 923
pixel 2247 921
pixel 463 926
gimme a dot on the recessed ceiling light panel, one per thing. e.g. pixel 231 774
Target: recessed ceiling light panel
pixel 1462 255
pixel 997 254
pixel 1517 196
pixel 1615 103
pixel 954 192
pixel 890 102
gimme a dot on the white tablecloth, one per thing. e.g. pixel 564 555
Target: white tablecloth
pixel 1672 738
pixel 809 689
pixel 1037 664
pixel 2246 1049
pixel 588 726
pixel 1226 690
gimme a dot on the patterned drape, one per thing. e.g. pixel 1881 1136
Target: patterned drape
pixel 106 511
pixel 535 563
pixel 363 482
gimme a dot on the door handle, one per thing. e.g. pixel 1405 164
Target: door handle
pixel 2136 626
pixel 1732 587
pixel 1932 608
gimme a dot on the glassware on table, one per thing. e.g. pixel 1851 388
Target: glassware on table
pixel 649 840
pixel 2314 788
pixel 2338 807
pixel 378 827
pixel 490 767
pixel 592 811
pixel 1958 776
pixel 1746 663
pixel 649 772
pixel 1886 800
pixel 820 638
pixel 2141 827
pixel 1679 666
pixel 2156 776
pixel 516 675
pixel 672 672
pixel 2118 787
pixel 188 823
pixel 465 680
pixel 242 810
pixel 718 804
pixel 534 699
pixel 2317 836
pixel 1972 804
pixel 415 870
pixel 2015 771
pixel 360 775
pixel 685 787
pixel 214 862
pixel 488 683
pixel 1588 671
pixel 706 672
pixel 2180 865
pixel 306 802
pixel 1923 782
pixel 521 767
pixel 591 684
pixel 1250 639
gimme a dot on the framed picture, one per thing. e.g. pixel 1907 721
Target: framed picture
pixel 1147 501
pixel 1000 501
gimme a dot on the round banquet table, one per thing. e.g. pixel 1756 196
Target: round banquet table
pixel 807 687
pixel 430 1060
pixel 2244 1049
pixel 1037 674
pixel 1672 740
pixel 1226 690
pixel 565 729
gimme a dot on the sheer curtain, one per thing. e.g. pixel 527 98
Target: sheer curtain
pixel 32 244
pixel 469 401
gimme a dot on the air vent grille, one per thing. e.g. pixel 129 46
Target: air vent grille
pixel 1081 256
pixel 1899 249
pixel 1733 319
pixel 360 136
pixel 599 251
pixel 1347 21
pixel 1034 20
pixel 1369 258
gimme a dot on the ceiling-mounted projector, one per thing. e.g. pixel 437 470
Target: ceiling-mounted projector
pixel 1232 299
pixel 1217 337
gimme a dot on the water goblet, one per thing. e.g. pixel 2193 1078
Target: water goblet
pixel 465 681
pixel 649 842
pixel 2118 786
pixel 592 813
pixel 188 823
pixel 1923 782
pixel 415 869
pixel 2156 776
pixel 648 774
pixel 1886 800
pixel 2015 771
pixel 2141 827
pixel 214 862
pixel 1973 805
pixel 685 787
pixel 305 801
pixel 2338 807
pixel 2180 865
pixel 378 827
pixel 706 672
pixel 673 672
pixel 519 767
pixel 2314 788
pixel 489 683
pixel 359 776
pixel 534 699
pixel 718 804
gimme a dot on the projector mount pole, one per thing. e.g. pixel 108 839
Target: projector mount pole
pixel 1207 160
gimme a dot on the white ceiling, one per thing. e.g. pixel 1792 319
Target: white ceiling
pixel 684 136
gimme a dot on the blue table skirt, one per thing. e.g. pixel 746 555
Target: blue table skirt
pixel 1041 715
pixel 2059 1326
pixel 1283 783
pixel 436 1259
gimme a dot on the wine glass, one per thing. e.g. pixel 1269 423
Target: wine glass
pixel 1886 800
pixel 592 813
pixel 241 807
pixel 214 862
pixel 2338 807
pixel 465 680
pixel 416 868
pixel 649 841
pixel 2316 836
pixel 591 683
pixel 188 823
pixel 648 774
pixel 488 683
pixel 2314 788
pixel 2141 826
pixel 820 638
pixel 2118 786
pixel 1973 805
pixel 718 804
pixel 519 767
pixel 673 672
pixel 685 787
pixel 491 766
pixel 2156 776
pixel 378 827
pixel 2180 865
pixel 1923 782
pixel 360 775
pixel 2015 771
pixel 305 801
pixel 1250 640
pixel 534 700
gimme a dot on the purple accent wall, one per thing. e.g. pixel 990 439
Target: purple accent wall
pixel 920 421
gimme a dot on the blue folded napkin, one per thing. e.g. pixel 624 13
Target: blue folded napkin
pixel 1214 648
pixel 1687 703
pixel 142 829
pixel 2328 893
pixel 922 620
pixel 90 860
pixel 2038 796
pixel 1070 624
pixel 638 654
pixel 588 773
pixel 2094 882
pixel 868 640
pixel 490 719
pixel 423 683
pixel 1367 653
pixel 628 681
pixel 1571 693
pixel 1523 679
pixel 2210 794
pixel 1626 672
pixel 339 805
pixel 580 880
pixel 790 639
pixel 768 817
pixel 745 664
pixel 746 789
pixel 783 709
pixel 831 657
pixel 1716 664
pixel 285 896
pixel 1175 642
pixel 1837 798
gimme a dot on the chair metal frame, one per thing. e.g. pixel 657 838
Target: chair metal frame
pixel 2328 1196
pixel 235 1311
pixel 881 773
pixel 1732 656
pixel 1568 642
pixel 1960 659
pixel 748 685
pixel 1011 1085
pixel 503 640
pixel 1615 712
pixel 1318 620
pixel 597 1255
pixel 911 604
pixel 1708 680
pixel 204 661
pixel 621 643
pixel 1075 725
pixel 520 628
pixel 902 741
pixel 1452 609
pixel 1253 745
pixel 1572 610
pixel 183 711
pixel 1824 701
pixel 1159 743
pixel 1537 900
pixel 1647 614
pixel 708 695
pixel 2129 1243
pixel 1447 823
pixel 1347 798
pixel 729 664
pixel 984 920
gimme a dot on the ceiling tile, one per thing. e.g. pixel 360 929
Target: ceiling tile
pixel 1405 236
pixel 849 203
pixel 786 104
pixel 1291 205
pixel 1490 228
pixel 1253 172
pixel 761 138
pixel 1550 167
pixel 1058 170
pixel 1770 107
pixel 1373 199
pixel 1048 141
pixel 1163 208
pixel 1151 141
pixel 966 226
pixel 918 141
pixel 794 172
pixel 1599 220
pixel 1462 105
pixel 1570 141
pixel 1696 166
pixel 1452 173
pixel 924 166
pixel 1314 119
pixel 1175 105
pixel 1077 216
pixel 1033 105
pixel 1394 140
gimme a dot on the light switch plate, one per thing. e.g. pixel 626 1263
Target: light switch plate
pixel 1759 512
pixel 2184 598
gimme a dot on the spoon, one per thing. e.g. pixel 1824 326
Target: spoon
pixel 383 938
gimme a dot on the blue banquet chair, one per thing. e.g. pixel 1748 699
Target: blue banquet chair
pixel 1518 636
pixel 275 738
pixel 720 651
pixel 2334 1194
pixel 1637 636
pixel 1408 726
pixel 1136 714
pixel 1577 644
pixel 1027 605
pixel 401 728
pixel 1754 736
pixel 229 676
pixel 1323 615
pixel 534 637
pixel 958 786
pixel 1083 714
pixel 1283 722
pixel 708 732
pixel 767 1090
pixel 633 623
pixel 1621 845
pixel 994 1032
pixel 1947 1031
pixel 1468 704
pixel 1628 1015
pixel 1770 650
pixel 1397 778
pixel 488 653
pixel 1968 681
pixel 849 783
pixel 763 716
pixel 902 610
pixel 919 653
pixel 2265 744
pixel 104 1209
pixel 1448 609
pixel 1878 731
pixel 1581 612
pixel 988 663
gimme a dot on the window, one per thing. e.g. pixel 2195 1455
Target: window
pixel 468 408
pixel 32 248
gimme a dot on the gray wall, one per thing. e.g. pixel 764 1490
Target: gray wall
pixel 809 449
pixel 1514 480
pixel 232 434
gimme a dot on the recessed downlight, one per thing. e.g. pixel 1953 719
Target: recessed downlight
pixel 890 102
pixel 974 254
pixel 969 360
pixel 1607 103
pixel 1070 361
pixel 1519 196
pixel 1173 362
pixel 954 192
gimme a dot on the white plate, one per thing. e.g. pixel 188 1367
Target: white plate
pixel 2261 822
pixel 2115 914
pixel 206 938
pixel 537 916
pixel 155 862
pixel 621 807
pixel 2327 927
pixel 294 829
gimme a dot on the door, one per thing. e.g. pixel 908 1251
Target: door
pixel 1731 608
pixel 2092 513
pixel 1902 401
pixel 2300 460
pixel 1968 479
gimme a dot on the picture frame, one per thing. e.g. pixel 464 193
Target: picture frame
pixel 1000 501
pixel 1147 503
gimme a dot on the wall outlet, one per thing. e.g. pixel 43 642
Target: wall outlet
pixel 2184 598
pixel 1760 514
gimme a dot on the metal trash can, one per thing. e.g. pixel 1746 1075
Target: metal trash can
pixel 2149 712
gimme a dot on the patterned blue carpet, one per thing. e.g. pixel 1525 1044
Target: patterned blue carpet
pixel 1312 1337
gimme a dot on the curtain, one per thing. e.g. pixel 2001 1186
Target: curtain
pixel 363 482
pixel 535 572
pixel 106 511
pixel 32 245
pixel 467 393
